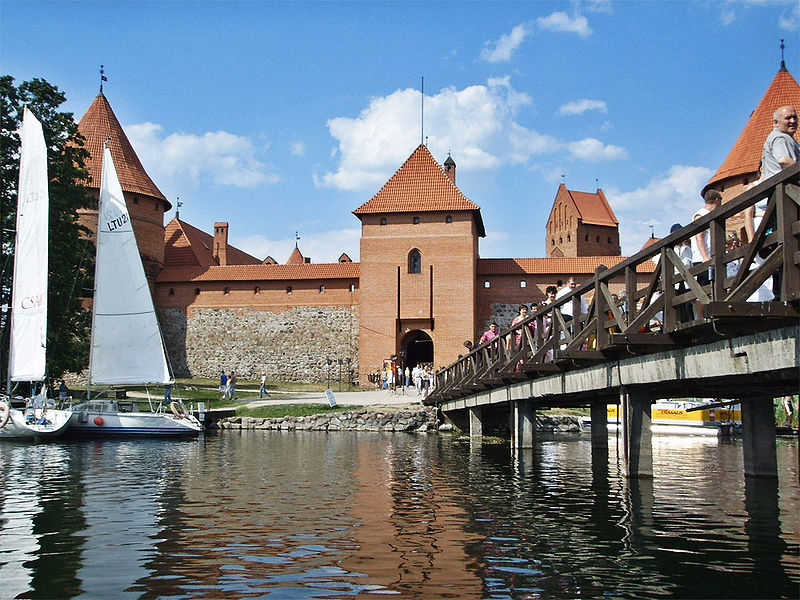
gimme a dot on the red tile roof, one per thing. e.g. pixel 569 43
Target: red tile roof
pixel 296 257
pixel 187 246
pixel 99 124
pixel 591 208
pixel 745 156
pixel 260 272
pixel 420 185
pixel 553 265
pixel 650 241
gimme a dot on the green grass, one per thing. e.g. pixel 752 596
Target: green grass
pixel 291 410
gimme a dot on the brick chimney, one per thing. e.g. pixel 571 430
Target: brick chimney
pixel 450 168
pixel 221 243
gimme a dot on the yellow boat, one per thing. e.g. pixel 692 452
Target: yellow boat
pixel 675 417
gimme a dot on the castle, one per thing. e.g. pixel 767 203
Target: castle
pixel 419 291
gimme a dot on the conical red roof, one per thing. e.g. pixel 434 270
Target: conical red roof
pixel 745 156
pixel 419 185
pixel 99 124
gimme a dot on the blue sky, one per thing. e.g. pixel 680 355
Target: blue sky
pixel 284 117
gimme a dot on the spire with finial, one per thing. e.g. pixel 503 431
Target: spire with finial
pixel 296 238
pixel 652 232
pixel 783 63
pixel 178 209
pixel 102 79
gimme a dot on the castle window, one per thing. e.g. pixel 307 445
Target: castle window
pixel 487 284
pixel 569 238
pixel 383 221
pixel 587 237
pixel 256 290
pixel 609 240
pixel 352 287
pixel 196 291
pixel 416 220
pixel 598 238
pixel 448 219
pixel 171 291
pixel 322 289
pixel 226 291
pixel 288 289
pixel 415 261
pixel 135 200
pixel 553 242
pixel 560 240
pixel 523 284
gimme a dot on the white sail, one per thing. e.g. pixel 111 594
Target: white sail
pixel 28 343
pixel 126 342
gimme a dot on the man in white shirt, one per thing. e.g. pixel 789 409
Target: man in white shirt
pixel 566 309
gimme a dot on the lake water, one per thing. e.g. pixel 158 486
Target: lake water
pixel 315 515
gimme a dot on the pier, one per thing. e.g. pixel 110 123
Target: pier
pixel 728 347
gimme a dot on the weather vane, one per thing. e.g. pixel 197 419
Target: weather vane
pixel 179 204
pixel 296 238
pixel 102 79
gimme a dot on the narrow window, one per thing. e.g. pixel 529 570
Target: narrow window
pixel 226 291
pixel 448 219
pixel 487 284
pixel 256 290
pixel 383 221
pixel 523 284
pixel 415 262
pixel 598 238
pixel 352 287
pixel 171 291
pixel 569 238
pixel 416 220
pixel 196 291
pixel 322 289
pixel 609 240
pixel 288 289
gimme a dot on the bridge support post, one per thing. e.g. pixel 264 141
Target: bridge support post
pixel 599 416
pixel 637 435
pixel 523 423
pixel 475 422
pixel 758 437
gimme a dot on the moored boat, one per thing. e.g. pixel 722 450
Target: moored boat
pixel 683 417
pixel 126 345
pixel 35 417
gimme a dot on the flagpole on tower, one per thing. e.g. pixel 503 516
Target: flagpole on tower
pixel 102 79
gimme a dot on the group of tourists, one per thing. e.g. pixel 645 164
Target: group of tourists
pixel 420 377
pixel 227 386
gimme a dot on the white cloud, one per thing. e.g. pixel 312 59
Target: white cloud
pixel 593 150
pixel 727 17
pixel 322 247
pixel 598 6
pixel 187 160
pixel 297 148
pixel 478 123
pixel 790 19
pixel 672 197
pixel 578 107
pixel 561 21
pixel 502 49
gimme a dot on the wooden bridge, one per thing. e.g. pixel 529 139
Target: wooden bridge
pixel 691 331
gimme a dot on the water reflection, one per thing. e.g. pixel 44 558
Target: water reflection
pixel 314 515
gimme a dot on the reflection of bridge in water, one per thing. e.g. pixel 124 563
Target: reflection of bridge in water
pixel 710 339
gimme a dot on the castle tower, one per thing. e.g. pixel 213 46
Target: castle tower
pixel 742 165
pixel 419 253
pixel 581 224
pixel 146 203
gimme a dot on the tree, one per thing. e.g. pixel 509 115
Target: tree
pixel 71 253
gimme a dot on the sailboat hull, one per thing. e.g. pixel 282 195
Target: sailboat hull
pixel 19 426
pixel 105 419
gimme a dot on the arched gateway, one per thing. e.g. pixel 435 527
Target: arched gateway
pixel 417 347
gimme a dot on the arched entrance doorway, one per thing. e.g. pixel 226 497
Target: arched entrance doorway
pixel 417 347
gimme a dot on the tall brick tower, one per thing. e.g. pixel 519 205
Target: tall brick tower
pixel 581 224
pixel 146 203
pixel 419 253
pixel 742 165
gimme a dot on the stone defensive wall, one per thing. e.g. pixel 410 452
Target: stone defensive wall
pixel 289 345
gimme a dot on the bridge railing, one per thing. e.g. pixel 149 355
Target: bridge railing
pixel 679 305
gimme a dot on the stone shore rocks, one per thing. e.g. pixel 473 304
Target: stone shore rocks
pixel 418 420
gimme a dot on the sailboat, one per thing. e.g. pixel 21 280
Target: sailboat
pixel 126 344
pixel 37 416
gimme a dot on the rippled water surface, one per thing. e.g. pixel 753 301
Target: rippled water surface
pixel 316 515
